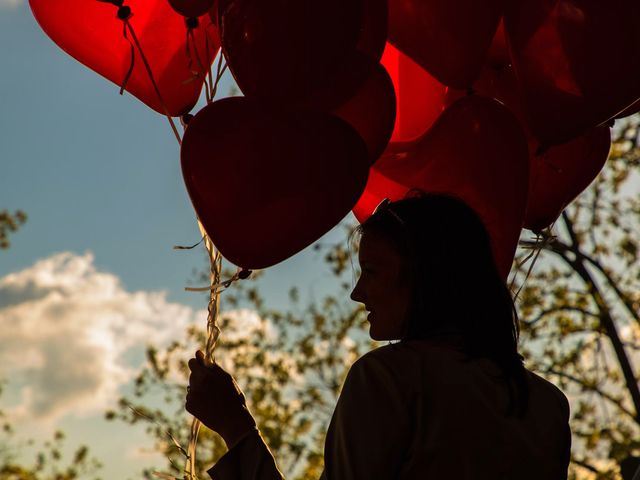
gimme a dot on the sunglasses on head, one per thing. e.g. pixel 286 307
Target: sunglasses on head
pixel 386 206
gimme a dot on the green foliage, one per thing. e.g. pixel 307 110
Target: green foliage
pixel 579 311
pixel 49 462
pixel 9 223
pixel 291 366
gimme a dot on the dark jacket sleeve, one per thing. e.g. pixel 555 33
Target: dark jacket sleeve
pixel 250 459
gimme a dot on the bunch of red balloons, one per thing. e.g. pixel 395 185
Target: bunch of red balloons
pixel 506 105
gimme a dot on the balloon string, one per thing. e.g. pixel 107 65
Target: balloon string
pixel 190 66
pixel 536 248
pixel 187 52
pixel 197 55
pixel 153 82
pixel 131 63
pixel 219 72
pixel 191 44
pixel 209 85
pixel 190 247
pixel 220 285
pixel 213 332
pixel 190 468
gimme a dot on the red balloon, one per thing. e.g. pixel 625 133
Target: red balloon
pixel 448 38
pixel 476 151
pixel 577 62
pixel 371 109
pixel 419 96
pixel 285 51
pixel 90 32
pixel 266 184
pixel 379 187
pixel 191 8
pixel 562 173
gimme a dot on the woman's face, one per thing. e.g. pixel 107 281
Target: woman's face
pixel 383 287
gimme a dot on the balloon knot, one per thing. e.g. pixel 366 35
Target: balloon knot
pixel 124 12
pixel 244 274
pixel 186 118
pixel 192 22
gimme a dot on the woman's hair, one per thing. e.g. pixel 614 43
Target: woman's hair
pixel 456 285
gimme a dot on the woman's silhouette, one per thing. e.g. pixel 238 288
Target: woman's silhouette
pixel 451 400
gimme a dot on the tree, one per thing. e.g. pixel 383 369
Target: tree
pixel 49 462
pixel 580 328
pixel 580 312
pixel 9 223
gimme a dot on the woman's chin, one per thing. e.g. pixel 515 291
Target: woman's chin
pixel 381 335
pixel 377 335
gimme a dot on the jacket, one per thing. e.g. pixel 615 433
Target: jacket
pixel 421 410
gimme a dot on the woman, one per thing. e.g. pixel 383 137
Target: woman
pixel 451 400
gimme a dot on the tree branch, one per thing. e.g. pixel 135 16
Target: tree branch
pixel 561 308
pixel 584 464
pixel 605 316
pixel 593 388
pixel 626 301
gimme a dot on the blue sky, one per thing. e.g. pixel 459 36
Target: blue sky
pixel 99 177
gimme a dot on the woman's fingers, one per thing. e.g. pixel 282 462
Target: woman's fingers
pixel 212 376
pixel 200 361
pixel 203 360
pixel 214 397
pixel 193 364
pixel 199 378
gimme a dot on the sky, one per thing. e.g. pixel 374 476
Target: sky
pixel 92 276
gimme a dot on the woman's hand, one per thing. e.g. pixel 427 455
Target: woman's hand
pixel 214 398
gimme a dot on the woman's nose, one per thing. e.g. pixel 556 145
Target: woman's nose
pixel 357 294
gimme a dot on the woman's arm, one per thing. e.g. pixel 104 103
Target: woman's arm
pixel 250 459
pixel 216 400
pixel 368 436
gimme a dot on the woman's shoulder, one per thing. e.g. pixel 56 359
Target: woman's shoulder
pixel 548 389
pixel 402 354
pixel 387 371
pixel 414 365
pixel 405 361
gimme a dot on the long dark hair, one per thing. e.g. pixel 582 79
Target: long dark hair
pixel 456 284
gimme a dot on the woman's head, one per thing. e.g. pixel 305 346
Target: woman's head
pixel 427 269
pixel 442 254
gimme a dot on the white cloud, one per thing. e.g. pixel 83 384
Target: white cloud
pixel 66 330
pixel 10 3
